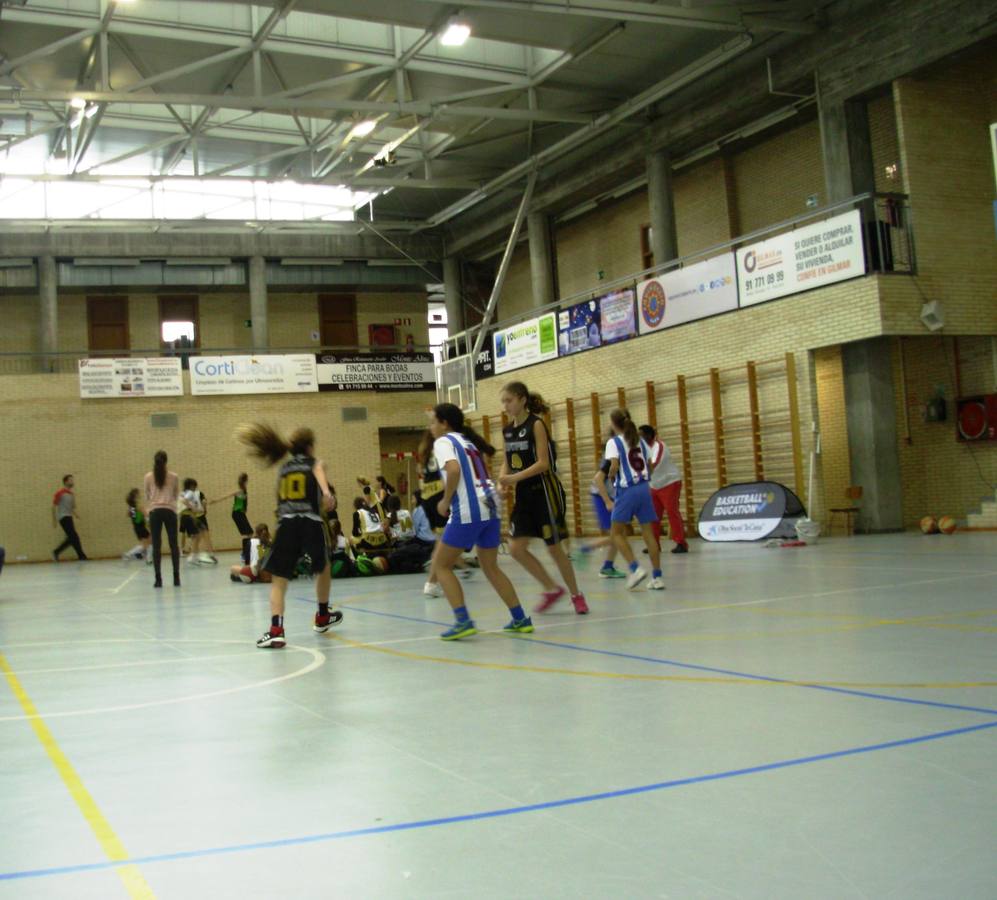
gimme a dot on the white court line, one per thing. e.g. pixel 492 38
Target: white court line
pixel 129 579
pixel 580 620
pixel 318 659
pixel 141 662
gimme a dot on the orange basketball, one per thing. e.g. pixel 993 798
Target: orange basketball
pixel 380 564
pixel 929 525
pixel 946 525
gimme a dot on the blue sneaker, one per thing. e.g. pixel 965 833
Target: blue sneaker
pixel 523 626
pixel 459 630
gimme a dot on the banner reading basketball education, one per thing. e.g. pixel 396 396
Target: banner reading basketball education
pixel 703 289
pixel 292 374
pixel 376 372
pixel 813 256
pixel 526 343
pixel 157 377
pixel 743 512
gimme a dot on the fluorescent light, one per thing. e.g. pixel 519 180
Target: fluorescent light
pixel 455 35
pixel 91 110
pixel 362 129
pixel 78 103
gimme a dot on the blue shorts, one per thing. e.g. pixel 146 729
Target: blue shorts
pixel 486 534
pixel 601 513
pixel 634 501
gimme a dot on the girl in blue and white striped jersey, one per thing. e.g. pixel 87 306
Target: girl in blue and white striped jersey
pixel 630 472
pixel 471 506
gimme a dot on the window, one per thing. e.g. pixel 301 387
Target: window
pixel 107 325
pixel 179 323
pixel 646 253
pixel 437 329
pixel 338 320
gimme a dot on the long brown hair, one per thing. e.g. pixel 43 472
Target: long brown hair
pixel 425 448
pixel 621 419
pixel 453 417
pixel 266 443
pixel 534 402
pixel 159 468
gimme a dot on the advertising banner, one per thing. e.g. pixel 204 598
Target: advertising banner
pixel 617 320
pixel 750 512
pixel 292 374
pixel 484 365
pixel 578 328
pixel 526 343
pixel 376 372
pixel 157 377
pixel 703 289
pixel 813 256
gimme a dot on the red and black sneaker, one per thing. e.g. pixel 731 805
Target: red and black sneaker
pixel 272 639
pixel 324 623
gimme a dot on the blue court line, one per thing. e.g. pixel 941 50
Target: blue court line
pixel 493 813
pixel 748 676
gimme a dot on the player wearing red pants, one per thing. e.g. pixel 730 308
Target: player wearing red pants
pixel 666 486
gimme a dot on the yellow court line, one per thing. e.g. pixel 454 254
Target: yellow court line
pixel 621 676
pixel 130 875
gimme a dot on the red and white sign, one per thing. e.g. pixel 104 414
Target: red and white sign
pixel 809 257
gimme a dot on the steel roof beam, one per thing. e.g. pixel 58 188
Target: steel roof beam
pixel 272 103
pixel 629 11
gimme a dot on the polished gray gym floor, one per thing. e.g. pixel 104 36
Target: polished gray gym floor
pixel 801 723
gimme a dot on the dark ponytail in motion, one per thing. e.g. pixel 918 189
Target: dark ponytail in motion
pixel 159 468
pixel 452 416
pixel 621 419
pixel 266 443
pixel 534 402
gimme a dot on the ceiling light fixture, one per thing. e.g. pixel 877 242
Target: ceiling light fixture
pixel 78 103
pixel 455 35
pixel 362 129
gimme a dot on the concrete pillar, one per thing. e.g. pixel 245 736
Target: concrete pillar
pixel 452 295
pixel 48 312
pixel 847 148
pixel 870 412
pixel 541 259
pixel 258 302
pixel 661 199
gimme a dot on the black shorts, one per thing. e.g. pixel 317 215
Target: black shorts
pixel 188 526
pixel 539 510
pixel 296 536
pixel 432 513
pixel 242 523
pixel 141 532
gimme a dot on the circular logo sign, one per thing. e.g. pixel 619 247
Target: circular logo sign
pixel 652 304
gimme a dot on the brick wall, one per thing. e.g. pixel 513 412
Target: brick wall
pixel 108 445
pixel 292 319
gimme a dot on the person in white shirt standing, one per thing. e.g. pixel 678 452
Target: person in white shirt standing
pixel 471 506
pixel 666 486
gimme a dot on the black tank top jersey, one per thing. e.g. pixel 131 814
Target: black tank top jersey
pixel 432 480
pixel 521 449
pixel 297 490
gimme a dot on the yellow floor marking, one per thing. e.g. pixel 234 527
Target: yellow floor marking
pixel 621 676
pixel 130 875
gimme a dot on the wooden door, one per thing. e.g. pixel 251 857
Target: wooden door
pixel 107 326
pixel 338 320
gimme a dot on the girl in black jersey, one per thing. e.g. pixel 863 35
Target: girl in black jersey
pixel 530 465
pixel 143 549
pixel 302 493
pixel 240 506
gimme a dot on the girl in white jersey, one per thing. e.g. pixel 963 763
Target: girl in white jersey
pixel 471 506
pixel 629 470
